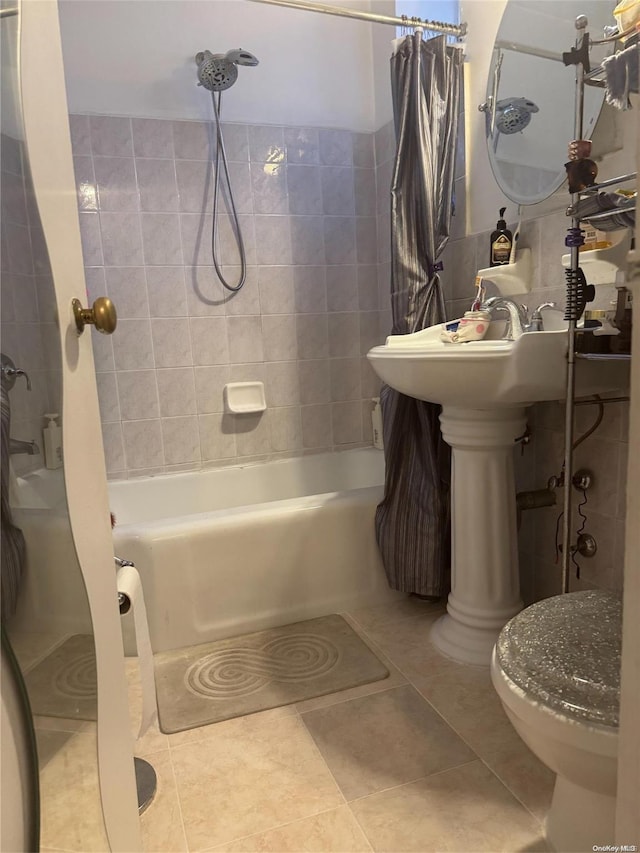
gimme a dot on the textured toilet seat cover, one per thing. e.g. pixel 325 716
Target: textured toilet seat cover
pixel 565 652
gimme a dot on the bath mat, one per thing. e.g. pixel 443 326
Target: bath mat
pixel 230 678
pixel 64 683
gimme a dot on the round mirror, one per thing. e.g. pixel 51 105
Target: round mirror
pixel 530 100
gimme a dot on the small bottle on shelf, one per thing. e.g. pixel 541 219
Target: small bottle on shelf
pixel 52 440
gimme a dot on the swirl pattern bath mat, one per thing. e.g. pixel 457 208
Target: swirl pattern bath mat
pixel 64 684
pixel 230 678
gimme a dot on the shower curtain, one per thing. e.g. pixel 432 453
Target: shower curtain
pixel 413 519
pixel 12 544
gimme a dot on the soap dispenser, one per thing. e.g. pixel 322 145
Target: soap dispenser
pixel 52 435
pixel 501 242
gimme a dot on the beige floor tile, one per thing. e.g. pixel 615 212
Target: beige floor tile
pixel 161 823
pixel 468 702
pixel 335 831
pixel 63 724
pixel 402 632
pixel 384 740
pixel 213 730
pixel 153 740
pixel 465 697
pixel 525 776
pixel 71 812
pixel 49 743
pixel 465 809
pixel 250 776
pixel 404 609
pixel 31 648
pixel 394 679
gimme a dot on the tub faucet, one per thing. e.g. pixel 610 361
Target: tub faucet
pixel 518 321
pixel 17 446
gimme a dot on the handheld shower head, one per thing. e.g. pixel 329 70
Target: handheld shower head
pixel 241 57
pixel 514 114
pixel 219 71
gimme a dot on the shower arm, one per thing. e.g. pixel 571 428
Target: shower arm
pixel 489 105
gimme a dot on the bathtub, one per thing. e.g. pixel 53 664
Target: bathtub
pixel 226 551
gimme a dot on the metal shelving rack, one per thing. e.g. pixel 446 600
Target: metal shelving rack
pixel 583 77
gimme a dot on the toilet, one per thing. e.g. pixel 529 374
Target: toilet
pixel 556 669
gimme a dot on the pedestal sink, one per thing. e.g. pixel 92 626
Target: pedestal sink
pixel 484 388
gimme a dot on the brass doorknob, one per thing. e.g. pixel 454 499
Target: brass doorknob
pixel 102 315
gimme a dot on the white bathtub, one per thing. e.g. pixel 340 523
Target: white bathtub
pixel 226 551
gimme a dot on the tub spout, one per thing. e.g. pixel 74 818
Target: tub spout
pixel 29 447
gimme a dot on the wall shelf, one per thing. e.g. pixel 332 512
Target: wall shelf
pixel 601 266
pixel 512 279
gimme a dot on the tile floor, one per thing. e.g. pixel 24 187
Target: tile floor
pixel 422 761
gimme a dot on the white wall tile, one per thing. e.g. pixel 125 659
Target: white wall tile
pixel 161 239
pixel 176 391
pixel 275 286
pixel 279 337
pixel 132 348
pixel 171 342
pixel 210 382
pixel 245 339
pixel 143 444
pixel 286 428
pixel 152 137
pixel 138 394
pixel 316 426
pixel 181 440
pixel 209 340
pixel 166 292
pixel 157 185
pixel 127 288
pixel 281 387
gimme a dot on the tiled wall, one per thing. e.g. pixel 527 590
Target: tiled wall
pixel 309 210
pixel 604 453
pixel 29 334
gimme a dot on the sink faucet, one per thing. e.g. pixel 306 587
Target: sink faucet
pixel 536 324
pixel 518 321
pixel 17 446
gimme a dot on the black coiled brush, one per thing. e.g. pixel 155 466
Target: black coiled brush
pixel 578 294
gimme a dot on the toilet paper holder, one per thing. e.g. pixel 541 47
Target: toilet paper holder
pixel 124 602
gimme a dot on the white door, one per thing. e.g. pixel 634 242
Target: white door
pixel 67 598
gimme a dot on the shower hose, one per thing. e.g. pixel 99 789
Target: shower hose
pixel 220 150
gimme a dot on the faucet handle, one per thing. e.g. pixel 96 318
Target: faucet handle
pixel 536 324
pixel 543 306
pixel 10 373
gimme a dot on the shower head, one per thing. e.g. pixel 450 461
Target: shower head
pixel 218 71
pixel 514 114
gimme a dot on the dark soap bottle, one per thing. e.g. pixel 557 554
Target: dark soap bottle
pixel 501 242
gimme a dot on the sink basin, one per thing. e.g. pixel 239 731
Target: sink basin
pixel 492 372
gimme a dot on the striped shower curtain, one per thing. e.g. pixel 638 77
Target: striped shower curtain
pixel 413 519
pixel 12 544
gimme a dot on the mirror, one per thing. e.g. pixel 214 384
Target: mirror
pixel 44 603
pixel 530 97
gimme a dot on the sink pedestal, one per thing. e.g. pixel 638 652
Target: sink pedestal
pixel 485 585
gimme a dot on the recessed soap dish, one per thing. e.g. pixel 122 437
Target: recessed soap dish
pixel 242 398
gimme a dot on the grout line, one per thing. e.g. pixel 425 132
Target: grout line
pixel 177 790
pixel 413 781
pixel 462 737
pixel 513 793
pixel 271 829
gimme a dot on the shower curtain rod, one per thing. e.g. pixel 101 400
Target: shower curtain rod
pixel 436 26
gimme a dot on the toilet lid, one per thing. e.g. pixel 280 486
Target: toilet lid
pixel 565 652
